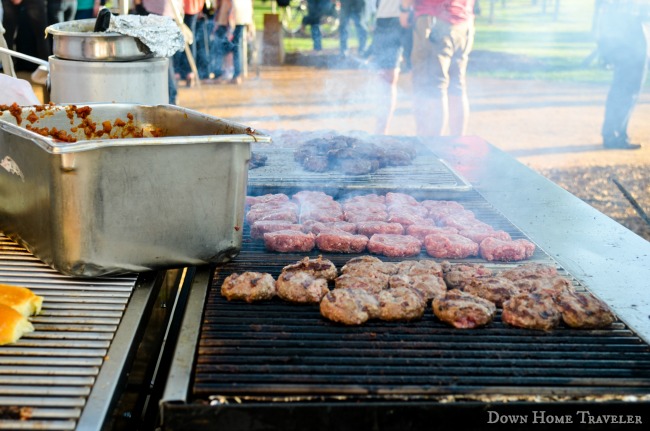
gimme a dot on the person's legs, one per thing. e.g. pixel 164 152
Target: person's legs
pixel 83 14
pixel 171 83
pixel 312 19
pixel 630 69
pixel 621 100
pixel 317 37
pixel 407 43
pixel 181 63
pixel 219 49
pixel 387 99
pixel 69 10
pixel 386 55
pixel 344 20
pixel 463 37
pixel 362 31
pixel 237 50
pixel 10 22
pixel 431 60
pixel 202 48
pixel 37 16
pixel 54 12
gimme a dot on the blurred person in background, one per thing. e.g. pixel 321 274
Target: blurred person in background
pixel 389 39
pixel 243 19
pixel 164 8
pixel 622 37
pixel 443 36
pixel 60 11
pixel 240 13
pixel 202 39
pixel 316 9
pixel 354 10
pixel 87 9
pixel 35 12
pixel 191 10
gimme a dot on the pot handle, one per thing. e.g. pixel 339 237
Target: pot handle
pixel 25 57
pixel 103 20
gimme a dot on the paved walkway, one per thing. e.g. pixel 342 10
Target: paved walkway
pixel 544 125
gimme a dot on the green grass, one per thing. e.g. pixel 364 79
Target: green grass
pixel 559 44
pixel 519 31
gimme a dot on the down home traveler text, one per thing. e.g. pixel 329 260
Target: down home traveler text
pixel 580 416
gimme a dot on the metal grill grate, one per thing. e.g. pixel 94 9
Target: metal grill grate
pixel 47 376
pixel 428 172
pixel 276 349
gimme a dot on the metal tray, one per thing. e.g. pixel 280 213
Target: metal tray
pixel 104 206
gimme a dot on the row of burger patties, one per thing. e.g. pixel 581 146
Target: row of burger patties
pixel 394 225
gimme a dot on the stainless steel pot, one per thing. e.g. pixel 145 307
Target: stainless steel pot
pixel 144 81
pixel 77 40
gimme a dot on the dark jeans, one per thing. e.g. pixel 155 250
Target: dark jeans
pixel 61 11
pixel 83 14
pixel 171 84
pixel 202 42
pixel 36 14
pixel 223 46
pixel 315 11
pixel 181 63
pixel 352 10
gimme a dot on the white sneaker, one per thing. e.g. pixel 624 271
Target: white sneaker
pixel 39 76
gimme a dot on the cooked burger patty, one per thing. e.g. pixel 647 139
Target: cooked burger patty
pixel 318 267
pixel 370 264
pixel 494 289
pixel 372 285
pixel 551 286
pixel 248 286
pixel 529 269
pixel 428 285
pixel 424 266
pixel 349 306
pixel 463 310
pixel 531 311
pixel 583 310
pixel 301 287
pixel 400 303
pixel 456 275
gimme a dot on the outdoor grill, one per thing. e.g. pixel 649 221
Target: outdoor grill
pixel 276 365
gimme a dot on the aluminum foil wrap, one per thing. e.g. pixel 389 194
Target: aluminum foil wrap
pixel 159 33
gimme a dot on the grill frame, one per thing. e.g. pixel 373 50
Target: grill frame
pixel 534 205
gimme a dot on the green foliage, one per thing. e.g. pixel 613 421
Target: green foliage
pixel 560 46
pixel 516 39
